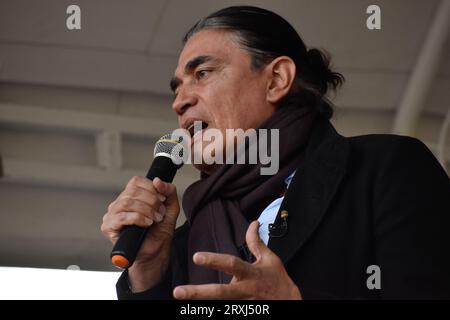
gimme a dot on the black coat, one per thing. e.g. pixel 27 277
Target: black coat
pixel 355 202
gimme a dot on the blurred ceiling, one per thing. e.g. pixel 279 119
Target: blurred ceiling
pixel 133 45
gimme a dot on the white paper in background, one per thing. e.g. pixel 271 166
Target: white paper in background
pixel 56 284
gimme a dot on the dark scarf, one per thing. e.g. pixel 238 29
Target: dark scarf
pixel 221 206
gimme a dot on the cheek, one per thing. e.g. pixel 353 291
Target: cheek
pixel 224 109
pixel 232 115
pixel 242 109
pixel 233 101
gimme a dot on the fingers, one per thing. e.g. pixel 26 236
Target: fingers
pixel 172 205
pixel 141 182
pixel 208 291
pixel 164 188
pixel 224 262
pixel 152 198
pixel 113 224
pixel 254 242
pixel 131 218
pixel 154 211
pixel 141 196
pixel 141 186
pixel 141 203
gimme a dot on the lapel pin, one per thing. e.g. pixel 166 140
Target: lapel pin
pixel 280 230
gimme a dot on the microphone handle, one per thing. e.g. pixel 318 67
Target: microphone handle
pixel 127 246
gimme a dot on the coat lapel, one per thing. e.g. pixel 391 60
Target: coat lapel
pixel 312 189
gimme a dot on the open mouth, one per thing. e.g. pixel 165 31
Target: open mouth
pixel 193 128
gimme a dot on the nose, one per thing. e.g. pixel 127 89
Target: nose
pixel 183 101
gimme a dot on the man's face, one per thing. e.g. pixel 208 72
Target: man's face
pixel 214 83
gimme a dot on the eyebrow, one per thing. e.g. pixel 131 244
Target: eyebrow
pixel 190 66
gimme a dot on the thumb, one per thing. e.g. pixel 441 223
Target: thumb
pixel 170 192
pixel 254 242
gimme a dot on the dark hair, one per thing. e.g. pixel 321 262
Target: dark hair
pixel 266 36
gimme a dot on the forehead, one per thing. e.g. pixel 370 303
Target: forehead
pixel 215 43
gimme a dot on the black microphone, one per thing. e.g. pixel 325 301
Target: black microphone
pixel 168 156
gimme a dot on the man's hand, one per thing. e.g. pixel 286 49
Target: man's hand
pixel 145 203
pixel 266 278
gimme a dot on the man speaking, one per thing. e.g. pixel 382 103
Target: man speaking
pixel 336 209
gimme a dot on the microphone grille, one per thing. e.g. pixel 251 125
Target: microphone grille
pixel 169 146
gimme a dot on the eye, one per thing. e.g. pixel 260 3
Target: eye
pixel 201 74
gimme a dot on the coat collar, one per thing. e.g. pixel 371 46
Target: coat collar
pixel 312 189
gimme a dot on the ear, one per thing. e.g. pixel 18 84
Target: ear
pixel 281 73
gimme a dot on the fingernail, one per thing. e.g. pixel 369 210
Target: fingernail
pixel 161 198
pixel 158 216
pixel 179 293
pixel 148 221
pixel 162 209
pixel 199 258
